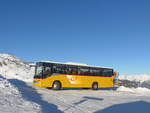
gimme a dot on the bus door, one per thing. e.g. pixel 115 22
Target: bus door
pixel 38 74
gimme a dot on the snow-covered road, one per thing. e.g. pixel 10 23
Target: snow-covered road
pixel 88 101
pixel 42 100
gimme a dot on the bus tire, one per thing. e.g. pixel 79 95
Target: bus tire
pixel 95 86
pixel 49 87
pixel 56 85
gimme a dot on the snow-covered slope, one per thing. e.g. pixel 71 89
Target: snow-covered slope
pixel 11 100
pixel 13 67
pixel 138 78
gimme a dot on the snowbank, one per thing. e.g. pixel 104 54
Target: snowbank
pixel 6 87
pixel 125 89
pixel 11 100
pixel 139 90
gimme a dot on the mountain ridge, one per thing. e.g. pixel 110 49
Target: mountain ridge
pixel 13 67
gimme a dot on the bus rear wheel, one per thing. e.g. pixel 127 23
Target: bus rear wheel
pixel 56 85
pixel 95 86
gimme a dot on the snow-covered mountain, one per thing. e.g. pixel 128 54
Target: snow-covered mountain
pixel 137 78
pixel 13 67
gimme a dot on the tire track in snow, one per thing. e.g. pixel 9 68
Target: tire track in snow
pixel 55 98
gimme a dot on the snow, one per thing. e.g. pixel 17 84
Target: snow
pixel 89 101
pixel 9 57
pixel 138 78
pixel 17 96
pixel 125 89
pixel 138 90
pixel 13 67
pixel 11 100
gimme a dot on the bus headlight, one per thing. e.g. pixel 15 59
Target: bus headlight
pixel 34 81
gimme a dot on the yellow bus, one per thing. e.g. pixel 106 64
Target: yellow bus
pixel 72 75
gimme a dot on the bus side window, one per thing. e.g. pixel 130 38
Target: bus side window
pixel 90 71
pixel 107 72
pixel 100 72
pixel 79 72
pixel 104 72
pixel 59 68
pixel 71 70
pixel 63 69
pixel 93 72
pixel 54 69
pixel 74 70
pixel 46 72
pixel 83 71
pixel 67 70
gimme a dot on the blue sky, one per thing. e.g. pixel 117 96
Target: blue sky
pixel 113 33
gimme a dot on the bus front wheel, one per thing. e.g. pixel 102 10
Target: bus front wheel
pixel 56 85
pixel 95 86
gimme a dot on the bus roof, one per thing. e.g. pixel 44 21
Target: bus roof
pixel 76 64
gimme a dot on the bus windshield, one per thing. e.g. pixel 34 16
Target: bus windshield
pixel 38 70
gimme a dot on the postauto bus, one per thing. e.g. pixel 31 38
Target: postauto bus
pixel 57 75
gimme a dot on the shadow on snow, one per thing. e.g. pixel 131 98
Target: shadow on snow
pixel 86 98
pixel 29 93
pixel 133 107
pixel 114 88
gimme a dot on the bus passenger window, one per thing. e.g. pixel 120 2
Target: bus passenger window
pixel 46 72
pixel 107 72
